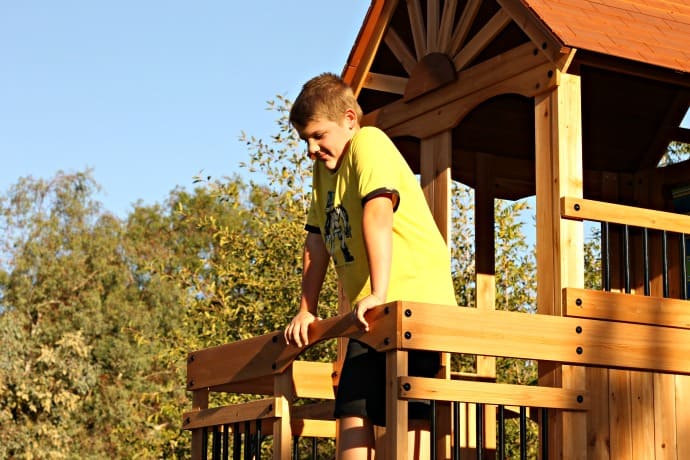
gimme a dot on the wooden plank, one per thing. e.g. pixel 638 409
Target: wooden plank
pixel 463 26
pixel 268 354
pixel 433 11
pixel 598 426
pixel 620 414
pixel 414 10
pixel 490 72
pixel 400 50
pixel 683 416
pixel 313 429
pixel 616 306
pixel 199 403
pixel 435 166
pixel 665 416
pixel 446 29
pixel 396 409
pixel 642 414
pixel 535 29
pixel 552 338
pixel 481 40
pixel 263 409
pixel 313 379
pixel 491 393
pixel 581 209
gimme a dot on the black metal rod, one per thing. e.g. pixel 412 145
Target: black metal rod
pixel 313 448
pixel 480 430
pixel 295 447
pixel 226 441
pixel 523 433
pixel 645 260
pixel 606 243
pixel 501 432
pixel 544 434
pixel 432 443
pixel 456 430
pixel 215 450
pixel 683 268
pixel 236 442
pixel 247 441
pixel 257 446
pixel 204 443
pixel 664 259
pixel 626 258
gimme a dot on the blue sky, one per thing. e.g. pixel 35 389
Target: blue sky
pixel 149 93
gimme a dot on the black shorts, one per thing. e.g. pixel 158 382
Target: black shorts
pixel 362 386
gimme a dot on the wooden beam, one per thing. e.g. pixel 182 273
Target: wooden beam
pixel 493 72
pixel 599 211
pixel 396 409
pixel 414 10
pixel 533 27
pixel 367 44
pixel 263 409
pixel 481 40
pixel 436 157
pixel 616 306
pixel 446 29
pixel 432 25
pixel 387 83
pixel 463 26
pixel 400 50
pixel 491 393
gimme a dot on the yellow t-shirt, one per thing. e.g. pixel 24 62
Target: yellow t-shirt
pixel 372 165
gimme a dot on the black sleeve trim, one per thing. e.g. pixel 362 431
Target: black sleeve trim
pixel 312 229
pixel 383 191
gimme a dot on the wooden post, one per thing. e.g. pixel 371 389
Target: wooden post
pixel 436 158
pixel 199 402
pixel 558 153
pixel 396 409
pixel 283 385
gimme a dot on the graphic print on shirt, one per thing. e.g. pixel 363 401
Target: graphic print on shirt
pixel 337 229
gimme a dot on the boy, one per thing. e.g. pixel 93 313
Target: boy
pixel 368 214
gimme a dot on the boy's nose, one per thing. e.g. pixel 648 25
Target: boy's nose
pixel 313 148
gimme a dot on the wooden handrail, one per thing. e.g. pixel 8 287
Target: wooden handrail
pixel 599 211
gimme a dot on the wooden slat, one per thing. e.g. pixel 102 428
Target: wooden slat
pixel 620 417
pixel 435 165
pixel 642 408
pixel 396 409
pixel 313 428
pixel 433 11
pixel 475 46
pixel 491 393
pixel 463 26
pixel 545 337
pixel 268 354
pixel 446 29
pixel 682 416
pixel 581 209
pixel 665 415
pixel 313 379
pixel 414 10
pixel 264 409
pixel 616 306
pixel 400 50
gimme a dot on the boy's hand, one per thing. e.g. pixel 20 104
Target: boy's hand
pixel 364 306
pixel 298 329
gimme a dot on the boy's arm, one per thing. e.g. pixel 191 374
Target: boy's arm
pixel 377 228
pixel 314 266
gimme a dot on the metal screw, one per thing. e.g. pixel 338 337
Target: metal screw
pixel 579 350
pixel 387 310
pixel 578 302
pixel 273 366
pixel 386 341
pixel 580 398
pixel 407 386
pixel 408 312
pixel 275 338
pixel 576 207
pixel 408 335
pixel 550 73
pixel 578 329
pixel 187 421
pixel 190 359
pixel 543 46
pixel 191 383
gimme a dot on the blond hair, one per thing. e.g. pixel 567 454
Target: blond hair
pixel 324 96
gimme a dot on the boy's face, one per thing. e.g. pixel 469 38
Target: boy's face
pixel 327 139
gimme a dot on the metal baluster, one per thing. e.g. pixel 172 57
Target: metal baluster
pixel 257 447
pixel 645 261
pixel 544 434
pixel 501 432
pixel 606 245
pixel 215 449
pixel 456 430
pixel 523 433
pixel 626 257
pixel 480 430
pixel 247 441
pixel 432 447
pixel 204 443
pixel 226 441
pixel 313 448
pixel 236 442
pixel 295 447
pixel 664 258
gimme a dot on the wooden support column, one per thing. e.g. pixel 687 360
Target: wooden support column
pixel 558 153
pixel 199 402
pixel 436 155
pixel 436 158
pixel 283 385
pixel 396 409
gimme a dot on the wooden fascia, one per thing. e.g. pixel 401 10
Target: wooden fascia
pixel 368 41
pixel 521 70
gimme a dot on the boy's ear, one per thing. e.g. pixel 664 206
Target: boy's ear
pixel 351 118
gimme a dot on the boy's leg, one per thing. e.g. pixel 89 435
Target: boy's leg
pixel 355 438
